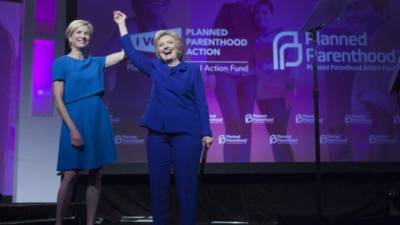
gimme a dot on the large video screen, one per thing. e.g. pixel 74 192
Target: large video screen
pixel 257 68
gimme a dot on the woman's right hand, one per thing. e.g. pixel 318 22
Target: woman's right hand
pixel 76 139
pixel 119 17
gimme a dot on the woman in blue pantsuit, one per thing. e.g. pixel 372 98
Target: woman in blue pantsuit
pixel 86 138
pixel 177 120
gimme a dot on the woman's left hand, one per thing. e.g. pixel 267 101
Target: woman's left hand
pixel 207 141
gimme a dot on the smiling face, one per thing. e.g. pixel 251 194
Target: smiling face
pixel 168 47
pixel 80 37
pixel 78 33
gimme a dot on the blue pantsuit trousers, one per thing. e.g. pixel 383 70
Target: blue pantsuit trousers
pixel 181 152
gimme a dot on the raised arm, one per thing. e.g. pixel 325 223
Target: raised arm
pixel 114 58
pixel 142 62
pixel 119 19
pixel 58 91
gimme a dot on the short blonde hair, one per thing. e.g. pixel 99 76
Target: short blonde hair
pixel 179 43
pixel 74 25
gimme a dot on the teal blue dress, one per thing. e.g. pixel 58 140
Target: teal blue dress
pixel 83 90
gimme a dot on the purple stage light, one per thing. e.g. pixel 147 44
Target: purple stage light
pixel 43 56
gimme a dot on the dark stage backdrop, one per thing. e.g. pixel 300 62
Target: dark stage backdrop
pixel 257 69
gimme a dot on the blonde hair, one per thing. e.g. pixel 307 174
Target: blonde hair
pixel 178 41
pixel 74 25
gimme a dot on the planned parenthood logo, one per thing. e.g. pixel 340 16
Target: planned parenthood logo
pixel 231 139
pixel 258 118
pixel 306 119
pixel 357 119
pixel 282 139
pixel 114 120
pixel 214 119
pixel 381 139
pixel 128 140
pixel 332 139
pixel 396 119
pixel 344 52
pixel 279 49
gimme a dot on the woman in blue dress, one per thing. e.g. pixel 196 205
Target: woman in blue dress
pixel 86 140
pixel 177 121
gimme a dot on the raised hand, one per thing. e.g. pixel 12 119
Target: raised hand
pixel 119 17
